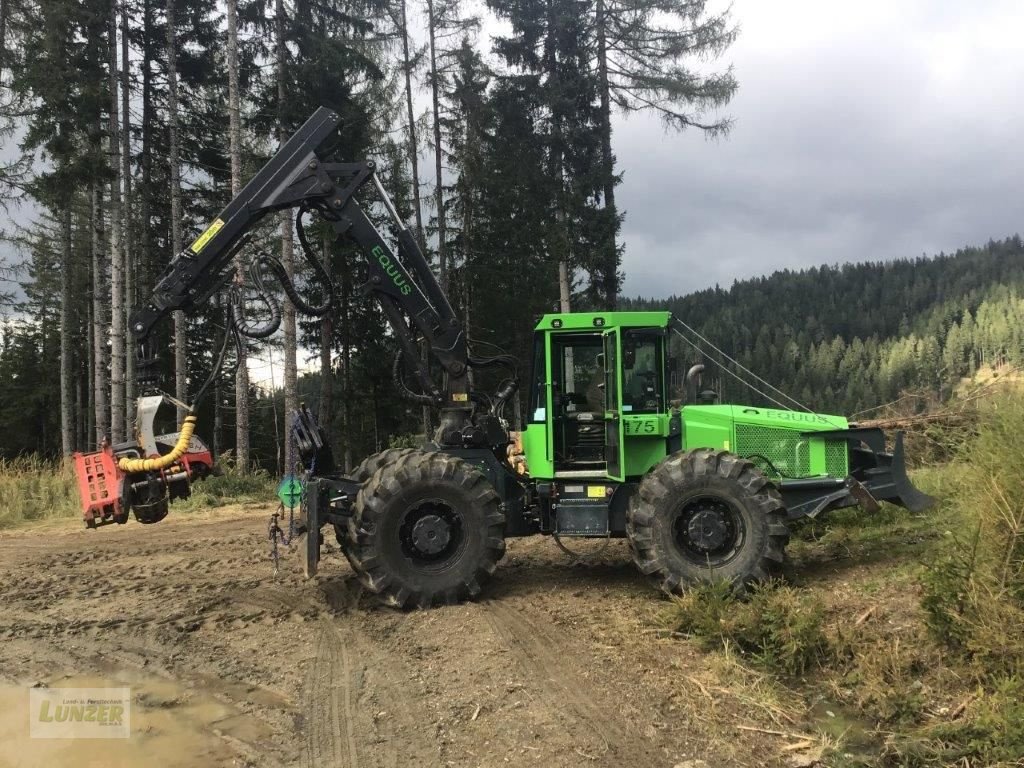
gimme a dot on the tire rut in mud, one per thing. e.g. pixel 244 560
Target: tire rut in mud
pixel 544 655
pixel 358 706
pixel 328 704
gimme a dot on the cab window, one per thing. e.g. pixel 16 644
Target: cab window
pixel 642 372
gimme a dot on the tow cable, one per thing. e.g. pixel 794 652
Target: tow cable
pixel 275 534
pixel 577 558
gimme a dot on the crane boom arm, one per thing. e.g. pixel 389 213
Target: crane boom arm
pixel 402 282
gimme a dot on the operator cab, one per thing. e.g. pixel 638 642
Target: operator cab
pixel 594 376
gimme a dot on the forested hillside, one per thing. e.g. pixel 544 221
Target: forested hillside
pixel 850 337
pixel 128 124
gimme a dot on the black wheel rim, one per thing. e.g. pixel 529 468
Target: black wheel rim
pixel 708 530
pixel 432 533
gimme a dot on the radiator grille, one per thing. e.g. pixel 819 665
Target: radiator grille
pixel 785 453
pixel 837 458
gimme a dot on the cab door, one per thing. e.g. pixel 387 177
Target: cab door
pixel 614 436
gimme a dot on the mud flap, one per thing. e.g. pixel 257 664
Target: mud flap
pixel 310 552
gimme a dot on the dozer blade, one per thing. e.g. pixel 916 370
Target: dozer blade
pixel 889 482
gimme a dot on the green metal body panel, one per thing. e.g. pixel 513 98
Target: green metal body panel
pixel 596 321
pixel 772 438
pixel 536 439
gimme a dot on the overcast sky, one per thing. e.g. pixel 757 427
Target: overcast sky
pixel 868 130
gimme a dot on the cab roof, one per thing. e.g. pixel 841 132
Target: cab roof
pixel 579 321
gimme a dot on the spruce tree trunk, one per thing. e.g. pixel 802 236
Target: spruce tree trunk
pixel 414 162
pixel 610 262
pixel 563 243
pixel 235 143
pixel 128 241
pixel 146 154
pixel 89 441
pixel 66 396
pixel 100 351
pixel 180 327
pixel 326 341
pixel 414 158
pixel 291 400
pixel 345 364
pixel 435 87
pixel 4 11
pixel 117 311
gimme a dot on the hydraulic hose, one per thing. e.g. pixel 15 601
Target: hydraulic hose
pixel 163 462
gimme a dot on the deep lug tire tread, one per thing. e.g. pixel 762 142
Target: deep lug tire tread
pixel 364 471
pixel 379 500
pixel 654 502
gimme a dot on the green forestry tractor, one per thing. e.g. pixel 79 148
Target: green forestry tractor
pixel 701 490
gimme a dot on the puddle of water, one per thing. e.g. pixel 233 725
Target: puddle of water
pixel 840 722
pixel 170 726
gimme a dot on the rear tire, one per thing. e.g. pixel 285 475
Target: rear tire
pixel 706 515
pixel 427 529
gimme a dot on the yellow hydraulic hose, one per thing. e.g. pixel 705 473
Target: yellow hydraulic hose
pixel 162 462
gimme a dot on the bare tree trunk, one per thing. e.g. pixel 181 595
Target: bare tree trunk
pixel 563 244
pixel 89 438
pixel 563 286
pixel 117 313
pixel 66 428
pixel 128 242
pixel 291 399
pixel 146 152
pixel 100 352
pixel 235 142
pixel 414 157
pixel 180 327
pixel 345 364
pixel 610 262
pixel 4 12
pixel 326 341
pixel 218 413
pixel 414 162
pixel 435 88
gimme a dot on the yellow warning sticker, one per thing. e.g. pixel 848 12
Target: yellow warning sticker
pixel 207 236
pixel 459 397
pixel 595 491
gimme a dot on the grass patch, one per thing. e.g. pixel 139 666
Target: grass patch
pixel 228 486
pixel 35 489
pixel 775 626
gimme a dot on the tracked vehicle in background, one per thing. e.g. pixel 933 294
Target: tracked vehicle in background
pixel 701 490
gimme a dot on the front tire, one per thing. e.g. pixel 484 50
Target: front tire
pixel 427 529
pixel 706 515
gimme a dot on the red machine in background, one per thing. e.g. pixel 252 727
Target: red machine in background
pixel 143 475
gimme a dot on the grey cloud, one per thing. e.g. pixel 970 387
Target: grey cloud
pixel 839 153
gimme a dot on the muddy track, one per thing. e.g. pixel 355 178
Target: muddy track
pixel 328 704
pixel 235 665
pixel 541 653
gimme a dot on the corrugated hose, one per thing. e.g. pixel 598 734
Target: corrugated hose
pixel 162 462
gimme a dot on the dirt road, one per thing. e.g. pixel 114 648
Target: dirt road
pixel 230 664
